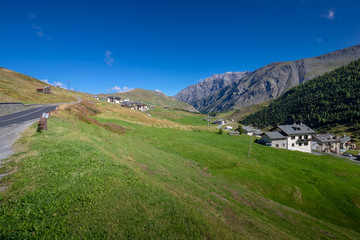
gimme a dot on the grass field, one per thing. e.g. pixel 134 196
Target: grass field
pixel 10 90
pixel 161 179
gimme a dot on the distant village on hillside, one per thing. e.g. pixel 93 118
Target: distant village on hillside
pixel 126 103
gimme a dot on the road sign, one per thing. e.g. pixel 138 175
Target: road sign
pixel 45 115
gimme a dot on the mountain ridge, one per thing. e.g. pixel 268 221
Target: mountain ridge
pixel 274 79
pixel 334 100
pixel 208 86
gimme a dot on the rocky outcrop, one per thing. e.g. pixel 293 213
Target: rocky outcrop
pixel 272 80
pixel 208 86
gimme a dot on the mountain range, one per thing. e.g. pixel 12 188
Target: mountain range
pixel 238 90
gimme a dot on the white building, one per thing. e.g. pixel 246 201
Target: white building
pixel 110 99
pixel 252 131
pixel 292 137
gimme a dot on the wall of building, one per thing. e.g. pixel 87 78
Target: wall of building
pixel 279 143
pixel 296 145
pixel 275 143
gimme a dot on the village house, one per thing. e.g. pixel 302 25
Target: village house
pixel 234 133
pixel 330 143
pixel 117 100
pixel 252 131
pixel 219 122
pixel 44 90
pixel 295 137
pixel 142 107
pixel 346 143
pixel 326 142
pixel 110 99
pixel 130 105
pixel 96 98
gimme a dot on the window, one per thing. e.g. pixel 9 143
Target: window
pixel 283 144
pixel 300 144
pixel 277 145
pixel 306 136
pixel 300 137
pixel 292 137
pixel 293 144
pixel 306 143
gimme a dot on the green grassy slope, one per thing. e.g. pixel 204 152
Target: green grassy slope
pixel 153 98
pixel 160 180
pixel 17 87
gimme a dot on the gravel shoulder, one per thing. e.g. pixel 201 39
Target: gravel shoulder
pixel 8 136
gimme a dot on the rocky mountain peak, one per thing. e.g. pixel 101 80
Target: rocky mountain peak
pixel 208 86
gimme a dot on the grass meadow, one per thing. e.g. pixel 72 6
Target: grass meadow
pixel 161 178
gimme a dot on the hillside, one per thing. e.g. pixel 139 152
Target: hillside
pixel 331 99
pixel 127 174
pixel 17 87
pixel 153 98
pixel 209 86
pixel 272 80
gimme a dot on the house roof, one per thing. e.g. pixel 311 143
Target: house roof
pixel 296 129
pixel 251 129
pixel 344 139
pixel 258 132
pixel 326 138
pixel 275 135
pixel 248 128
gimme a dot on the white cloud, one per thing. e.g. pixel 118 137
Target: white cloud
pixel 56 83
pixel 318 39
pixel 108 58
pixel 59 84
pixel 119 89
pixel 328 14
pixel 31 15
pixel 157 90
pixel 39 30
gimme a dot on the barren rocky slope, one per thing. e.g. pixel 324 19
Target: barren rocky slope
pixel 209 86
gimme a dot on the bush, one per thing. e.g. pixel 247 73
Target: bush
pixel 220 131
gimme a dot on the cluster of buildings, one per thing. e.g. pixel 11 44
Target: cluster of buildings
pixel 126 103
pixel 300 137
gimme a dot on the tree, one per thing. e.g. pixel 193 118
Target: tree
pixel 220 131
pixel 240 129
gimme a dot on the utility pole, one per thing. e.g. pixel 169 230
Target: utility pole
pixel 207 121
pixel 250 144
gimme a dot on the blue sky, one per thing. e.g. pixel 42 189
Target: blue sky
pixel 107 46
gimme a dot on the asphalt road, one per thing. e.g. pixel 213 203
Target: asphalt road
pixel 12 125
pixel 24 116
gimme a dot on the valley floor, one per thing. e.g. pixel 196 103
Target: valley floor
pixel 106 172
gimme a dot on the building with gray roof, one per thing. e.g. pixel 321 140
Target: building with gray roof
pixel 292 137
